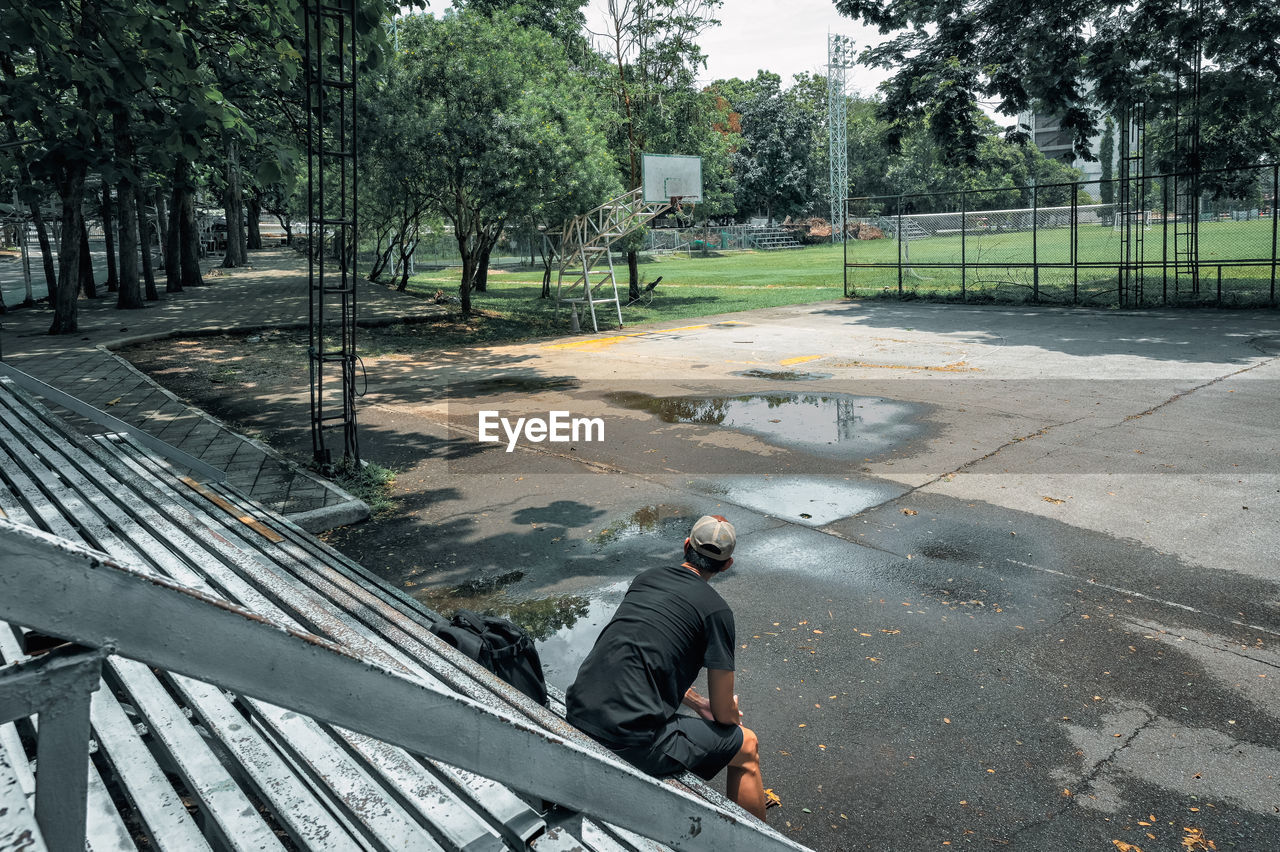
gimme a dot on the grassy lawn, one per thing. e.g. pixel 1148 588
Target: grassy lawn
pixel 702 286
pixel 691 287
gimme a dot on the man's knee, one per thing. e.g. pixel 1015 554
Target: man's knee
pixel 749 752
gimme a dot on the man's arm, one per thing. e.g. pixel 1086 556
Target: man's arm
pixel 724 704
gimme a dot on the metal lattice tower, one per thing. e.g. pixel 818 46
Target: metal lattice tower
pixel 1131 208
pixel 331 69
pixel 839 59
pixel 1186 131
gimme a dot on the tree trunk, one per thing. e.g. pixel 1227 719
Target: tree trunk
pixel 108 233
pixel 146 238
pixel 233 205
pixel 87 282
pixel 481 284
pixel 254 208
pixel 46 250
pixel 71 188
pixel 162 223
pixel 127 196
pixel 172 236
pixel 468 272
pixel 189 239
pixel 633 275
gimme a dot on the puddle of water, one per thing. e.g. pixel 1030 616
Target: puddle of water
pixel 826 423
pixel 668 521
pixel 783 375
pixel 563 651
pixel 811 500
pixel 540 616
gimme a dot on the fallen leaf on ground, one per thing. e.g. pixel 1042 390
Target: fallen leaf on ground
pixel 1054 500
pixel 1195 841
pixel 114 401
pixel 1125 847
pixel 771 799
pixel 910 512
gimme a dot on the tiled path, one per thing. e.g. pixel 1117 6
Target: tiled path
pixel 272 292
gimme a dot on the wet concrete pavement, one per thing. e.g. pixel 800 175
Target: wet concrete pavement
pixel 1036 608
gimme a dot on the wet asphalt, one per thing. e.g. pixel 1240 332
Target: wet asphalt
pixel 1031 607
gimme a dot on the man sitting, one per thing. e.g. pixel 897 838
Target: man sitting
pixel 670 625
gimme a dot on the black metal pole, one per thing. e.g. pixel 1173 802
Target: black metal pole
pixel 1164 242
pixel 1075 243
pixel 1035 244
pixel 964 215
pixel 899 246
pixel 1275 219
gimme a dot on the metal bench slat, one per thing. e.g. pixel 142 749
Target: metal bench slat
pixel 309 822
pixel 509 810
pixel 423 792
pixel 18 829
pixel 311 747
pixel 238 822
pixel 104 829
pixel 169 826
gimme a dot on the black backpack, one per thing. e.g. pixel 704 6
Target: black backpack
pixel 502 647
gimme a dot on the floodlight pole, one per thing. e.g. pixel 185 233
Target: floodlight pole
pixel 839 59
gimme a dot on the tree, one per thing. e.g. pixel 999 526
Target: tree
pixel 652 46
pixel 1079 61
pixel 772 164
pixel 504 127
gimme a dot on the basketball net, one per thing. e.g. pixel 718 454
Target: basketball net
pixel 677 205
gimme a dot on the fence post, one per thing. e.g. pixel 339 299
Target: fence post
pixel 1035 254
pixel 964 214
pixel 899 246
pixel 1164 241
pixel 1275 201
pixel 1075 243
pixel 844 243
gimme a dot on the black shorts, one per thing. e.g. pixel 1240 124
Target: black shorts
pixel 686 742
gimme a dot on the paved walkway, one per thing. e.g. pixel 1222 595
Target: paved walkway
pixel 271 292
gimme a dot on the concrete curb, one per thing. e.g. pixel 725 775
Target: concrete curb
pixel 349 510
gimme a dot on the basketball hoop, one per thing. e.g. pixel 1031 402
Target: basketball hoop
pixel 677 202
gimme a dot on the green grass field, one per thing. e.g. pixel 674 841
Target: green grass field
pixel 701 286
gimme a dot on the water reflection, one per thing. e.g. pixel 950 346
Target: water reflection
pixel 563 651
pixel 829 423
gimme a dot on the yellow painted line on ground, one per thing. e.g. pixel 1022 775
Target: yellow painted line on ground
pixel 787 362
pixel 602 342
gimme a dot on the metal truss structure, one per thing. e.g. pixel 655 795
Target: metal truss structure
pixel 330 68
pixel 839 59
pixel 585 245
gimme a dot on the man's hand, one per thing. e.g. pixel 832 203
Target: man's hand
pixel 698 704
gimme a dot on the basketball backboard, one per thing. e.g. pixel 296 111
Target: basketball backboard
pixel 667 176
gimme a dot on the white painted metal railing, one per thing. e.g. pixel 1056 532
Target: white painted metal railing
pixel 64 589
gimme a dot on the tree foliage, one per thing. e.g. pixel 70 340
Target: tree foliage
pixel 1079 60
pixel 502 127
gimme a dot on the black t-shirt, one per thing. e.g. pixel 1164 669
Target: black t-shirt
pixel 669 626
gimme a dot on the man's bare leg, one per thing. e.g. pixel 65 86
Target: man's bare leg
pixel 745 784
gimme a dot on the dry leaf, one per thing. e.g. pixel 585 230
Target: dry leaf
pixel 1054 500
pixel 910 512
pixel 771 799
pixel 1195 841
pixel 1125 847
pixel 114 401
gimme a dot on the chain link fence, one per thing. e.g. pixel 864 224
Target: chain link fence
pixel 1208 238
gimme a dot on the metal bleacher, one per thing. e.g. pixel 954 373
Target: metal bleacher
pixel 258 690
